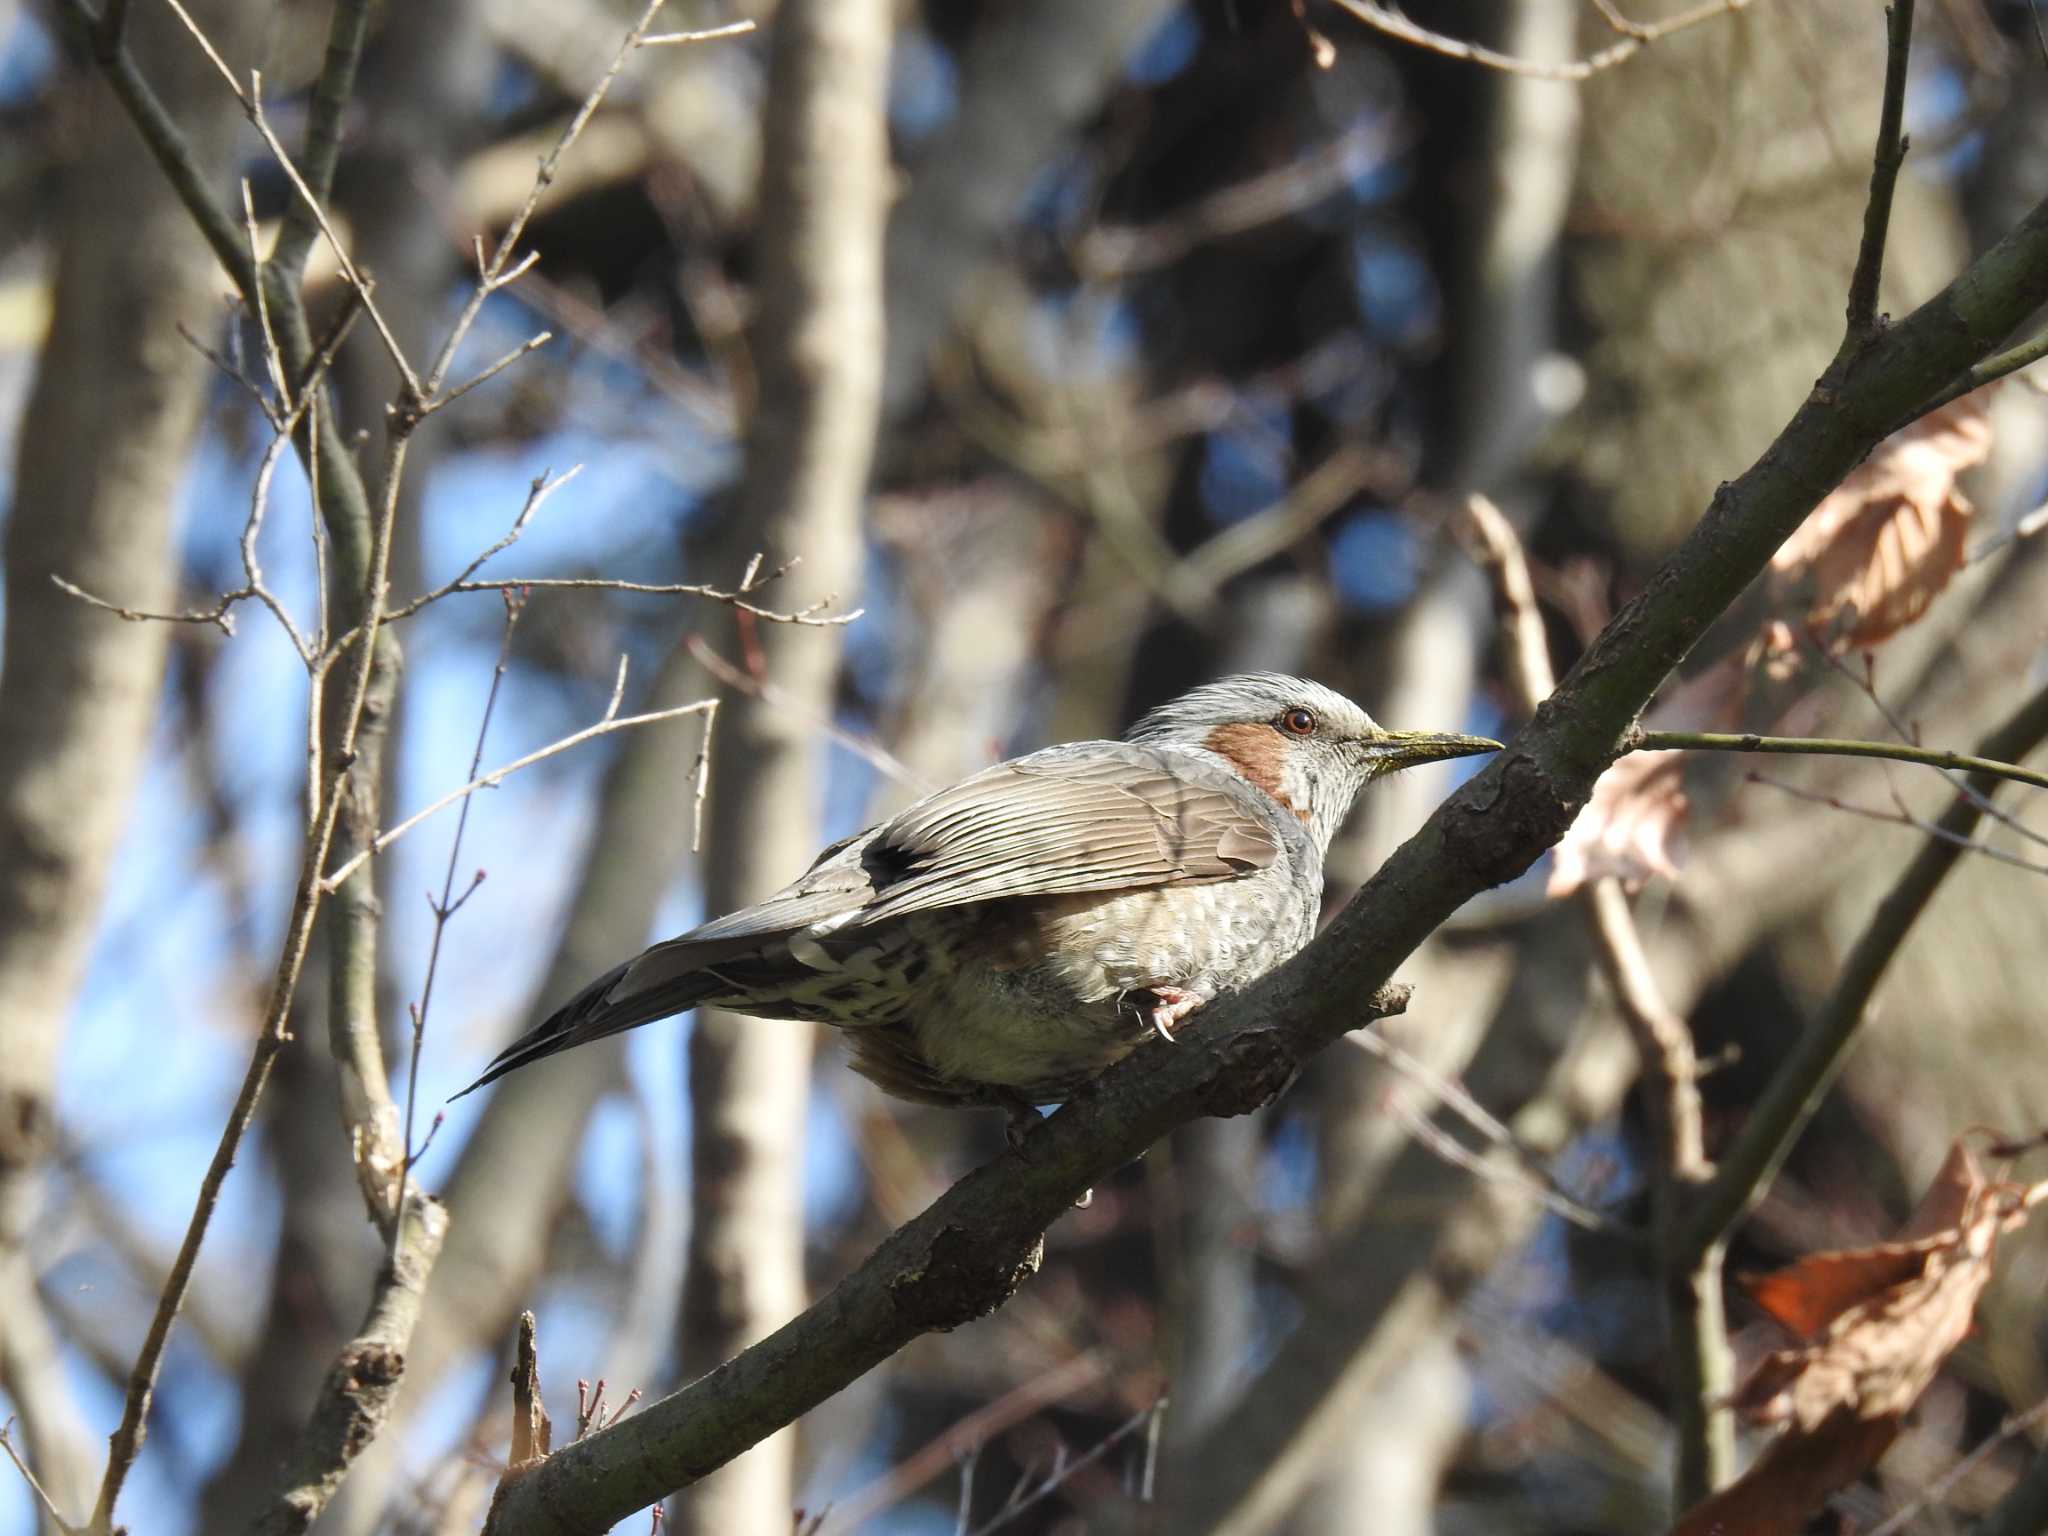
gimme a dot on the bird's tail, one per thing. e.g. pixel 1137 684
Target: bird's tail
pixel 593 1013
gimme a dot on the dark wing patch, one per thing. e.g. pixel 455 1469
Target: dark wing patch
pixel 1120 818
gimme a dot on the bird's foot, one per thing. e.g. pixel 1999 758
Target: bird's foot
pixel 1171 1006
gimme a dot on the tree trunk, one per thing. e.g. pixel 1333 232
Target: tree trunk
pixel 825 190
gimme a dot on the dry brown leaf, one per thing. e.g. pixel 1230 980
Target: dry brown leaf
pixel 1632 827
pixel 1879 1322
pixel 1877 551
pixel 1806 1296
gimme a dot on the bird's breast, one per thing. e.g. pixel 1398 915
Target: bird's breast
pixel 1039 995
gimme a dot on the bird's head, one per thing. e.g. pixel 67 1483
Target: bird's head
pixel 1308 747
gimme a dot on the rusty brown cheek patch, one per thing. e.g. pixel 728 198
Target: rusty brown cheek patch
pixel 1257 752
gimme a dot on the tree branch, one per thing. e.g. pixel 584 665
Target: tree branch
pixel 1822 746
pixel 361 1388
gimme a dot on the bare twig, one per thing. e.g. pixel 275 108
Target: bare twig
pixel 1884 173
pixel 1109 251
pixel 1523 1169
pixel 543 486
pixel 445 908
pixel 1932 757
pixel 284 417
pixel 755 687
pixel 1028 1494
pixel 1492 542
pixel 607 723
pixel 218 615
pixel 251 100
pixel 700 776
pixel 42 1495
pixel 273 359
pixel 961 1443
pixel 591 1413
pixel 1865 682
pixel 1635 37
pixel 1898 817
pixel 127 1438
pixel 2025 528
pixel 527 347
pixel 707 35
pixel 812 615
pixel 1998 366
pixel 497 271
pixel 2015 1424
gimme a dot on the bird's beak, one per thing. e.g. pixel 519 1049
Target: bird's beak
pixel 1395 750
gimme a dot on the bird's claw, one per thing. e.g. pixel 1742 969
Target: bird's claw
pixel 1171 1006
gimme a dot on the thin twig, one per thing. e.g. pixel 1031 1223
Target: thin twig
pixel 756 687
pixel 127 1438
pixel 531 345
pixel 963 1440
pixel 250 99
pixel 1884 174
pixel 493 274
pixel 2025 528
pixel 700 775
pixel 41 1493
pixel 1063 1470
pixel 1527 1171
pixel 811 616
pixel 273 359
pixel 1640 740
pixel 607 723
pixel 1936 1492
pixel 1635 37
pixel 1898 817
pixel 1998 366
pixel 708 35
pixel 1435 1139
pixel 544 485
pixel 446 907
pixel 1865 683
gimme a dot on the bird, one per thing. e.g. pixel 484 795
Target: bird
pixel 1003 941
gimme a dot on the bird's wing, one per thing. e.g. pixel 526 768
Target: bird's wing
pixel 1095 816
pixel 1098 816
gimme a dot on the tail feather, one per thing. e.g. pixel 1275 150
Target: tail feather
pixel 591 1015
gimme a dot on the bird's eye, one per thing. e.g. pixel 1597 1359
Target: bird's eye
pixel 1298 722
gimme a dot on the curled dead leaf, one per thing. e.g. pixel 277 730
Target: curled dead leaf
pixel 1877 1323
pixel 1883 544
pixel 1632 827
